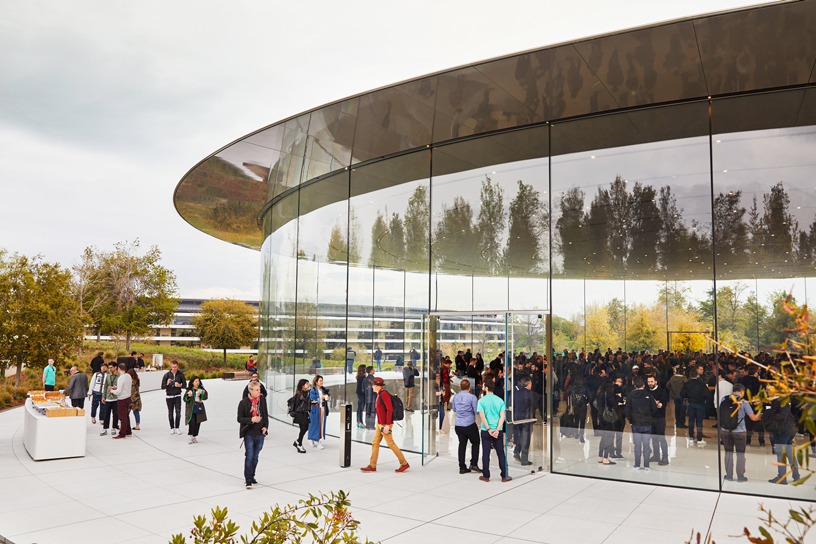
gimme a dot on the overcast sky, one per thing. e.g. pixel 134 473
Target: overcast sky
pixel 105 105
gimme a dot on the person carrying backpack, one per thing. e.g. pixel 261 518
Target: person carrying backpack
pixel 731 413
pixel 386 414
pixel 779 420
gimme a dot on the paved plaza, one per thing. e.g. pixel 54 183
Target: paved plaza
pixel 144 489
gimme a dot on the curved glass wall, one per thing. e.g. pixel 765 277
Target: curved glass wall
pixel 641 232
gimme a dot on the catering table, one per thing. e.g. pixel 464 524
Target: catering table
pixel 53 437
pixel 150 380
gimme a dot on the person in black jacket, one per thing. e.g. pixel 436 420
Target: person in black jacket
pixel 408 375
pixel 301 406
pixel 696 391
pixel 523 418
pixel 620 421
pixel 784 431
pixel 460 364
pixel 605 398
pixel 660 447
pixel 254 379
pixel 254 420
pixel 97 362
pixel 641 409
pixel 172 383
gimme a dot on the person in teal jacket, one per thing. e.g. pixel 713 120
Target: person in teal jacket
pixel 49 376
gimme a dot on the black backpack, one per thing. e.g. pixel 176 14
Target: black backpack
pixel 398 410
pixel 770 422
pixel 291 405
pixel 728 414
pixel 578 394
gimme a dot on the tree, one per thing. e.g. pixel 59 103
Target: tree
pixel 378 230
pixel 641 331
pixel 40 318
pixel 570 230
pixel 140 291
pixel 525 251
pixel 338 247
pixel 417 228
pixel 226 324
pixel 599 333
pixel 454 237
pixel 490 226
pixel 89 289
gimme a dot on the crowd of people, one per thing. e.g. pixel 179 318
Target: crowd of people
pixel 609 389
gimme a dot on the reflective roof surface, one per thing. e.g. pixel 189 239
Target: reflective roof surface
pixel 767 47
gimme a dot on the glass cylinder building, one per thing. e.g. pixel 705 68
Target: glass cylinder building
pixel 643 191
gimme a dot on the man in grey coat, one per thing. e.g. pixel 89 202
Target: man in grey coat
pixel 77 388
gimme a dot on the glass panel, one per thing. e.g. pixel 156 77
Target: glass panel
pixel 320 338
pixel 287 170
pixel 388 277
pixel 331 134
pixel 765 220
pixel 627 214
pixel 281 289
pixel 648 66
pixel 759 48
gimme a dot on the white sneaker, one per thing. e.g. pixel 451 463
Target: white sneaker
pixel 191 440
pixel 313 443
pixel 320 445
pixel 195 440
pixel 178 431
pixel 172 431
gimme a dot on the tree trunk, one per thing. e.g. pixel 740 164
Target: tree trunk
pixel 19 373
pixel 225 358
pixel 127 343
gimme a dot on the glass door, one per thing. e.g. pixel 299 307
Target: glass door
pixel 510 349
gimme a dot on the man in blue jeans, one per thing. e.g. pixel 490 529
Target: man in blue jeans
pixel 641 409
pixel 492 412
pixel 696 391
pixel 254 420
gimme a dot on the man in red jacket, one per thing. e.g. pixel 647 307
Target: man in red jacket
pixel 385 422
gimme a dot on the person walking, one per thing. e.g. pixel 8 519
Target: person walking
pixel 378 359
pixel 385 422
pixel 492 412
pixel 95 393
pixel 409 373
pixel 123 390
pixel 641 408
pixel 254 379
pixel 254 420
pixel 361 396
pixel 732 412
pixel 299 410
pixel 49 376
pixel 135 398
pixel 173 383
pixel 77 388
pixel 607 415
pixel 350 355
pixel 523 417
pixel 319 401
pixel 194 412
pixel 111 414
pixel 465 407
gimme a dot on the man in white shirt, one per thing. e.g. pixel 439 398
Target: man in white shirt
pixel 724 387
pixel 122 390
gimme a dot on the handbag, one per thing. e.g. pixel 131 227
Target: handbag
pixel 198 408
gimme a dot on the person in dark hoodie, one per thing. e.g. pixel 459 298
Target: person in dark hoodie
pixel 660 447
pixel 641 409
pixel 523 418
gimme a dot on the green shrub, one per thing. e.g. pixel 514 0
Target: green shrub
pixel 6 399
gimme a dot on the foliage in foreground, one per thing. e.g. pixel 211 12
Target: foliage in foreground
pixel 794 381
pixel 323 518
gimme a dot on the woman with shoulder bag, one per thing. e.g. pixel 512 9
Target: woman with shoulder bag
pixel 319 401
pixel 194 412
pixel 135 398
pixel 301 405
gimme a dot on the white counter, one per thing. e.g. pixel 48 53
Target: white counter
pixel 53 437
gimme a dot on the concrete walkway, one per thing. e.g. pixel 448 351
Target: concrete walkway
pixel 144 489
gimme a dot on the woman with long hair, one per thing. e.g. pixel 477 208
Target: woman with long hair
pixel 194 412
pixel 361 397
pixel 300 412
pixel 135 398
pixel 319 401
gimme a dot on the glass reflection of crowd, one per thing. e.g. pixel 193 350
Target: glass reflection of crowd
pixel 641 393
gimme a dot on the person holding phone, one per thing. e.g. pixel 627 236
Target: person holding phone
pixel 194 412
pixel 254 419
